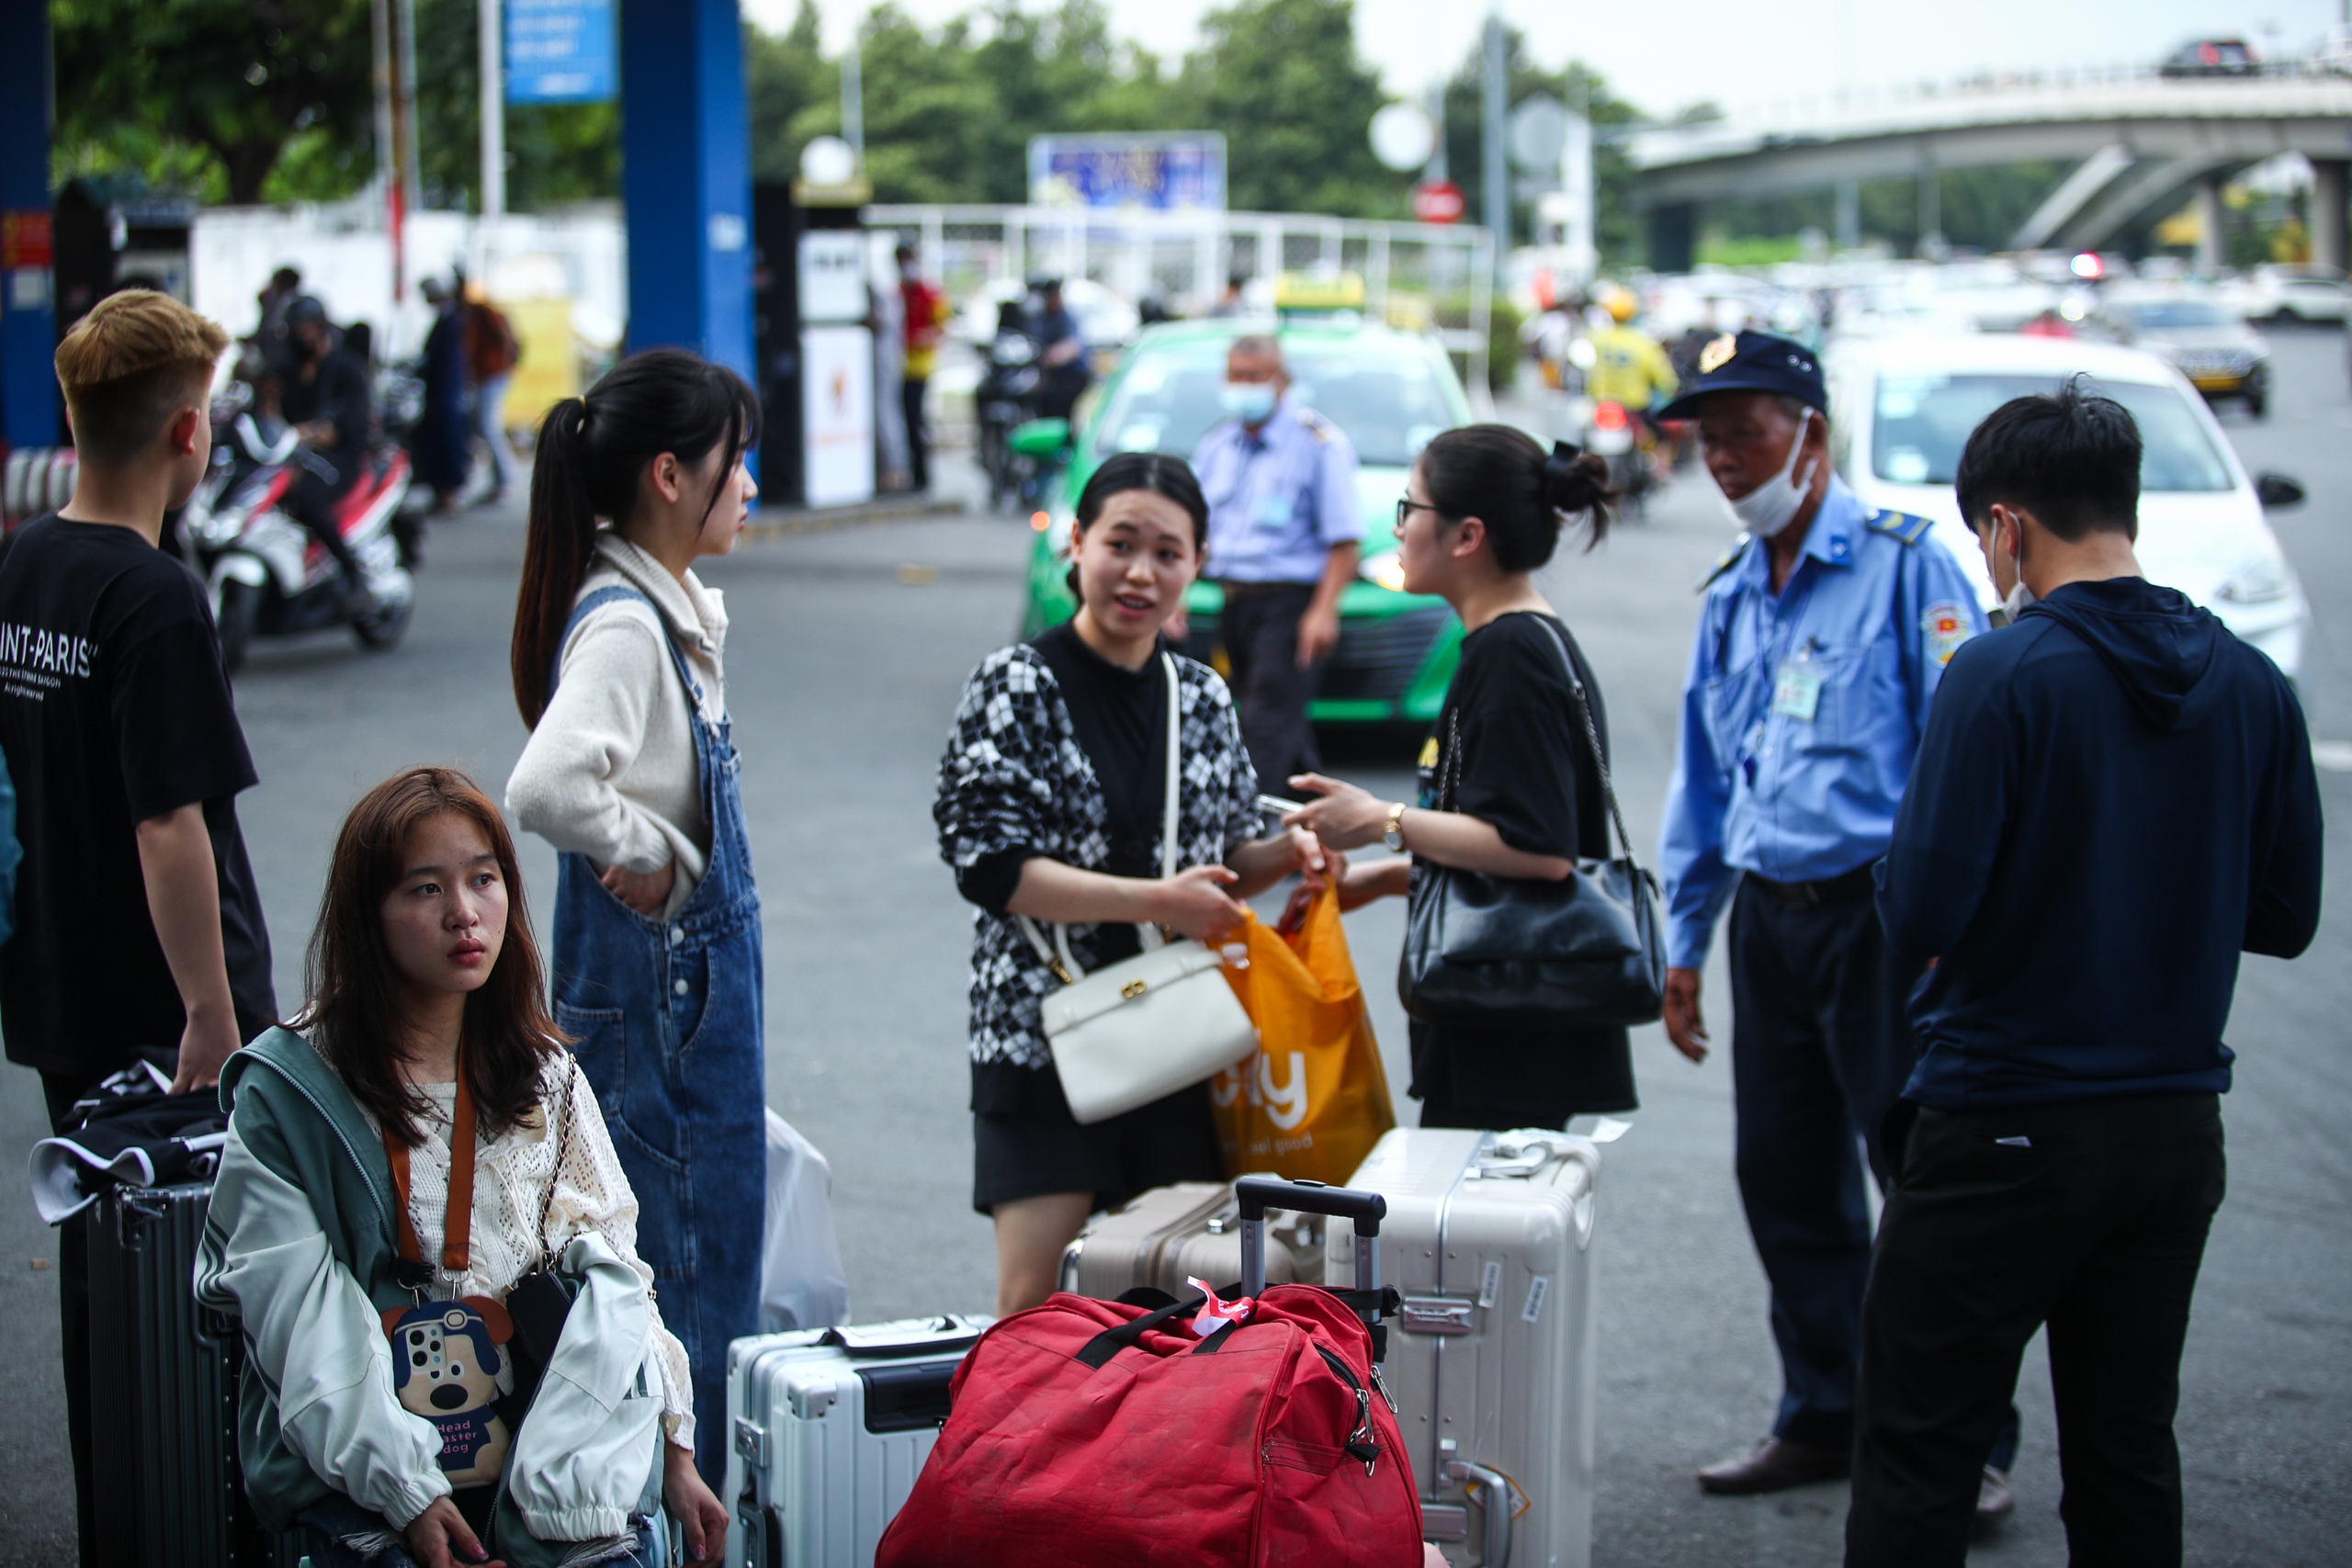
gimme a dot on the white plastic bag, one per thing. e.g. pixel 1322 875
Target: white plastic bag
pixel 801 1282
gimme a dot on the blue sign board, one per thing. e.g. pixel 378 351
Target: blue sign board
pixel 560 51
pixel 1180 173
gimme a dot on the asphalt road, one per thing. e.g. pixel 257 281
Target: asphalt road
pixel 846 654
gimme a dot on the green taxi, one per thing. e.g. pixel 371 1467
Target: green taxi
pixel 1389 391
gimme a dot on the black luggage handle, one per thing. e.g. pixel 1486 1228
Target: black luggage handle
pixel 1259 1193
pixel 1097 1352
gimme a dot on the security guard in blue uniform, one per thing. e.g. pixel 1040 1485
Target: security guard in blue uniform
pixel 1819 647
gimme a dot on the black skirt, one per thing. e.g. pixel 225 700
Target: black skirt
pixel 1502 1078
pixel 1026 1143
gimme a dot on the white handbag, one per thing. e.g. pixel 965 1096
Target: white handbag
pixel 1148 1025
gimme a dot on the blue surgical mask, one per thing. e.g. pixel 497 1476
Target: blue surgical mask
pixel 1248 401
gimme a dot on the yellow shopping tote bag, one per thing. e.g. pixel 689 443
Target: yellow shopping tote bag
pixel 1312 1100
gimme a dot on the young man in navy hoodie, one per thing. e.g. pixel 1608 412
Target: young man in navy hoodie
pixel 2114 799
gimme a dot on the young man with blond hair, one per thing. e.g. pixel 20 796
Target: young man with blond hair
pixel 138 923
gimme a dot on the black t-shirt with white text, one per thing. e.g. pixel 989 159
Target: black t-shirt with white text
pixel 1511 744
pixel 114 709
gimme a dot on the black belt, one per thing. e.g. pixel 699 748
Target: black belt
pixel 1856 884
pixel 1253 590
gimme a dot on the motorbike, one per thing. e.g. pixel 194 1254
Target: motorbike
pixel 266 574
pixel 1623 439
pixel 1007 397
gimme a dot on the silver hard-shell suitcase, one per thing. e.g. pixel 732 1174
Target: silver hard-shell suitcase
pixel 829 1428
pixel 1491 1359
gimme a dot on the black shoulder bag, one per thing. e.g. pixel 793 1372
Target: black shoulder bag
pixel 540 1302
pixel 1516 953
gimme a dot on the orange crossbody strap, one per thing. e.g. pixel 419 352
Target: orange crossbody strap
pixel 456 1223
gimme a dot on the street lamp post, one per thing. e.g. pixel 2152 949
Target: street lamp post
pixel 494 120
pixel 1494 169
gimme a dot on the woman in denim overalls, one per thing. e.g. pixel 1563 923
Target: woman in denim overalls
pixel 630 771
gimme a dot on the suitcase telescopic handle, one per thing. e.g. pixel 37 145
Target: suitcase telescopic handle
pixel 1256 1194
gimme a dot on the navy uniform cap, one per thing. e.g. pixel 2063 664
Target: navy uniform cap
pixel 1753 362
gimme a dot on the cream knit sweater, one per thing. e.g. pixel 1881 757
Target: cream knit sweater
pixel 610 772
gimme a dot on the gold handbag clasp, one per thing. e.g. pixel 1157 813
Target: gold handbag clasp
pixel 1133 990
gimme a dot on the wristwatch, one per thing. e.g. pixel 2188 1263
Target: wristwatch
pixel 1393 834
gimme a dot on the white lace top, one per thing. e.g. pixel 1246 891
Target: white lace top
pixel 511 1177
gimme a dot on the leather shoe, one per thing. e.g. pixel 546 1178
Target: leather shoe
pixel 1775 1466
pixel 1995 1501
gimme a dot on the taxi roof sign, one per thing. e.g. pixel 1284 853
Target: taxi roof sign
pixel 1300 293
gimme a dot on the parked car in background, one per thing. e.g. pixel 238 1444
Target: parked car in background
pixel 2289 291
pixel 1391 391
pixel 2202 338
pixel 1902 408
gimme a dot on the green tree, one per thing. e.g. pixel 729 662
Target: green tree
pixel 1282 80
pixel 146 82
pixel 794 93
pixel 554 153
pixel 949 113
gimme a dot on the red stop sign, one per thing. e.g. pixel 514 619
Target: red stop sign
pixel 1438 201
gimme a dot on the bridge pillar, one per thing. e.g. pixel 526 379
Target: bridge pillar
pixel 1674 238
pixel 2328 215
pixel 2212 252
pixel 687 178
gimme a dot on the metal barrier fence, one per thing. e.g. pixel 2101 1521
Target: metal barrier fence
pixel 1420 276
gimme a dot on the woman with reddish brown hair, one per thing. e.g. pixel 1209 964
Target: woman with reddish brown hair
pixel 410 1181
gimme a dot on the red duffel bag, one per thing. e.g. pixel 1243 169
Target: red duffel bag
pixel 1096 1432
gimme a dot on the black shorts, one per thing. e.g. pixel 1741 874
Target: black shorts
pixel 1172 1139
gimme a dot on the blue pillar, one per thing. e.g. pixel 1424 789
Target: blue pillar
pixel 27 319
pixel 686 177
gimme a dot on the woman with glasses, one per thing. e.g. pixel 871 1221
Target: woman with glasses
pixel 1509 785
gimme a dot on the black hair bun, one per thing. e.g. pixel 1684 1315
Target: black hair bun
pixel 1575 480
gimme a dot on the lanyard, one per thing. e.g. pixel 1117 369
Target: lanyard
pixel 456 1221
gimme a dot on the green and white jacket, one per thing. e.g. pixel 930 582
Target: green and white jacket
pixel 300 1247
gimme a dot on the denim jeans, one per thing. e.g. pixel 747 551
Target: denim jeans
pixel 666 1017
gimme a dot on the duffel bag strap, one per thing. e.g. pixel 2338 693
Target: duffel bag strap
pixel 1098 1351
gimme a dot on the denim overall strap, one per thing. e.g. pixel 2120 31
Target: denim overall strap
pixel 667 1020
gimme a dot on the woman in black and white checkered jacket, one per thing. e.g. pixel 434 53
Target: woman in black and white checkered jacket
pixel 1051 796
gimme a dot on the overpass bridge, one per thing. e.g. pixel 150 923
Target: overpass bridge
pixel 2141 140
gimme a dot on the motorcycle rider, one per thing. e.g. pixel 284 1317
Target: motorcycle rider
pixel 1629 369
pixel 325 397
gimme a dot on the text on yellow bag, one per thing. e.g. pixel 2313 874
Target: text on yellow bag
pixel 1312 1100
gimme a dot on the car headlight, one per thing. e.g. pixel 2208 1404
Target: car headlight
pixel 2263 583
pixel 1386 569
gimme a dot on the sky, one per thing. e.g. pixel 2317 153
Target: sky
pixel 1737 52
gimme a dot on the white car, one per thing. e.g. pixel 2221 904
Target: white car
pixel 1902 408
pixel 2287 292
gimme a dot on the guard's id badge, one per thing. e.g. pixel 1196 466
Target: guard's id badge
pixel 1796 692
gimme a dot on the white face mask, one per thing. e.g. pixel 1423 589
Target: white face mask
pixel 1766 510
pixel 2019 596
